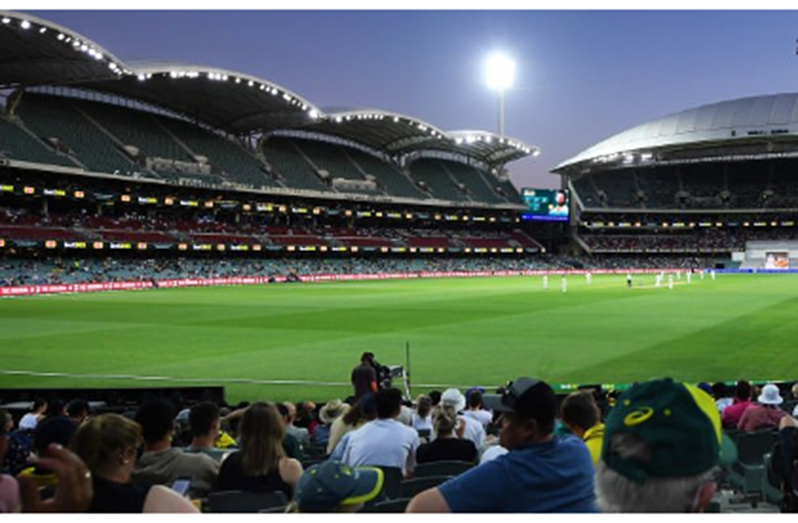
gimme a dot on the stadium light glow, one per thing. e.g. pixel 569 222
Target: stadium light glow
pixel 500 76
pixel 500 72
pixel 43 30
pixel 6 20
pixel 25 24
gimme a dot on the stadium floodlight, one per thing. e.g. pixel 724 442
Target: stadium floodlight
pixel 25 24
pixel 501 75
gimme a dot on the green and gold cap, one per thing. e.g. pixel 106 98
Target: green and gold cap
pixel 681 425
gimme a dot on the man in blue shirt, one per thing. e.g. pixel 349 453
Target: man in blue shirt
pixel 541 473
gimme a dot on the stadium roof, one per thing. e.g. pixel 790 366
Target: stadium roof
pixel 35 52
pixel 395 133
pixel 727 121
pixel 232 101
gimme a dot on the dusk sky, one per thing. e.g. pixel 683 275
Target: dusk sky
pixel 582 76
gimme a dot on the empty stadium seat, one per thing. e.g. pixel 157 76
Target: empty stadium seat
pixel 442 468
pixel 411 487
pixel 56 117
pixel 437 179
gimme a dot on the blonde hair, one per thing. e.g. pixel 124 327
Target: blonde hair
pixel 262 433
pixel 444 419
pixel 99 440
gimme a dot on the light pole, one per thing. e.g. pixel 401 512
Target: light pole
pixel 501 73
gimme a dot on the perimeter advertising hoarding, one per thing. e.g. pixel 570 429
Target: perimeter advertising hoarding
pixel 547 205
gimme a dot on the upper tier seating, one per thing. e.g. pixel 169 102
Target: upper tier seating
pixel 394 182
pixel 55 117
pixel 16 144
pixel 136 128
pixel 297 172
pixel 437 179
pixel 228 159
pixel 473 181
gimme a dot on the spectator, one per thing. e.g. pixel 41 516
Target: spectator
pixel 204 423
pixel 720 394
pixel 334 487
pixel 299 433
pixel 742 399
pixel 540 473
pixel 364 376
pixel 422 417
pixel 9 489
pixel 78 410
pixel 363 411
pixel 765 414
pixel 581 415
pixel 261 464
pixel 55 407
pixel 446 446
pixel 56 429
pixel 328 414
pixel 292 445
pixel 475 410
pixel 435 396
pixel 31 419
pixel 663 441
pixel 162 464
pixel 467 428
pixel 108 444
pixel 306 417
pixel 384 442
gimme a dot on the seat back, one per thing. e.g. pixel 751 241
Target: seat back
pixel 392 482
pixel 753 446
pixel 237 501
pixel 411 487
pixel 442 468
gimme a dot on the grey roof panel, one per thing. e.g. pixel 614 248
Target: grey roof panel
pixel 742 112
pixel 687 121
pixel 710 122
pixel 762 110
pixel 783 108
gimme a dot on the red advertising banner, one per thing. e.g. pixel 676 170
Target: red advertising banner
pixel 29 290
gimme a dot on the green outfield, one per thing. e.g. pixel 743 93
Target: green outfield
pixel 478 331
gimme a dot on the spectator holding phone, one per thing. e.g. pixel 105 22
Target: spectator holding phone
pixel 108 445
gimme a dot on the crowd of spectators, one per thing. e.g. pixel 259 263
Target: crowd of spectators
pixel 724 239
pixel 22 271
pixel 654 448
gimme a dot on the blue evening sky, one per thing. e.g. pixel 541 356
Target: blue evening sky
pixel 582 75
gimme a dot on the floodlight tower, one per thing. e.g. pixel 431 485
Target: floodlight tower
pixel 501 74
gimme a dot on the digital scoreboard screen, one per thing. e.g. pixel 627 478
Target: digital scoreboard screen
pixel 546 205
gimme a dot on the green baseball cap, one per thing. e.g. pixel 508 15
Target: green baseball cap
pixel 679 422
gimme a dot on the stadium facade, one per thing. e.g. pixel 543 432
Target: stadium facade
pixel 706 181
pixel 103 155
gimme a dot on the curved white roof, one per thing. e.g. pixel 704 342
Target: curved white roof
pixel 728 120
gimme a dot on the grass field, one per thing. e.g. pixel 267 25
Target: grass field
pixel 462 331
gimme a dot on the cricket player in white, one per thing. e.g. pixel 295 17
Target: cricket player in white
pixel 670 281
pixel 589 278
pixel 564 284
pixel 545 282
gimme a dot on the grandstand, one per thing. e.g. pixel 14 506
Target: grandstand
pixel 706 180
